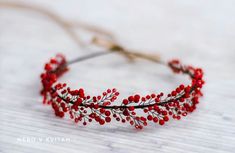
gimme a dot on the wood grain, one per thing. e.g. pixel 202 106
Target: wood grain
pixel 201 33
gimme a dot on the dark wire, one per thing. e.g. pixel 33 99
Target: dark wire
pixel 86 57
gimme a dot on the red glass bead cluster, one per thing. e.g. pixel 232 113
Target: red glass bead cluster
pixel 137 110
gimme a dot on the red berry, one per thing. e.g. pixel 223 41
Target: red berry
pixel 130 98
pixel 166 118
pixel 153 95
pixel 101 122
pixel 48 67
pixel 156 108
pixel 145 110
pixel 145 123
pixel 148 97
pixel 96 106
pixel 125 101
pixel 184 114
pixel 136 98
pixel 131 122
pixel 143 99
pixel 164 112
pixel 125 112
pixel 117 93
pixel 150 117
pixel 157 100
pixel 161 122
pixel 118 119
pixel 173 93
pixel 131 108
pixel 53 61
pixel 107 119
pixel 178 90
pixel 182 87
pixel 155 119
pixel 187 89
pixel 107 113
pixel 181 99
pixel 102 111
pixel 109 91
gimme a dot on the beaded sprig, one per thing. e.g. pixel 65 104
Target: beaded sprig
pixel 84 108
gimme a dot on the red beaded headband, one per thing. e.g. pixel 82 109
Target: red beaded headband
pixel 85 108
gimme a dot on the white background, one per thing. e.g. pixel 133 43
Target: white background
pixel 199 32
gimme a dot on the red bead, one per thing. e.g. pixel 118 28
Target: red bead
pixel 164 112
pixel 131 108
pixel 125 101
pixel 156 108
pixel 153 95
pixel 143 99
pixel 107 119
pixel 146 110
pixel 78 101
pixel 184 114
pixel 148 97
pixel 126 113
pixel 187 89
pixel 136 98
pixel 181 99
pixel 109 91
pixel 173 93
pixel 130 98
pixel 117 93
pixel 131 122
pixel 96 106
pixel 53 61
pixel 178 90
pixel 155 119
pixel 97 118
pixel 61 114
pixel 107 113
pixel 150 108
pixel 48 67
pixel 62 104
pixel 157 100
pixel 81 92
pixel 165 118
pixel 118 119
pixel 182 87
pixel 161 122
pixel 101 122
pixel 150 117
pixel 102 111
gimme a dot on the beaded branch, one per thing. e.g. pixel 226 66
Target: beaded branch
pixel 84 108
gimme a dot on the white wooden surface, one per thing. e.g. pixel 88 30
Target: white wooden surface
pixel 200 32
